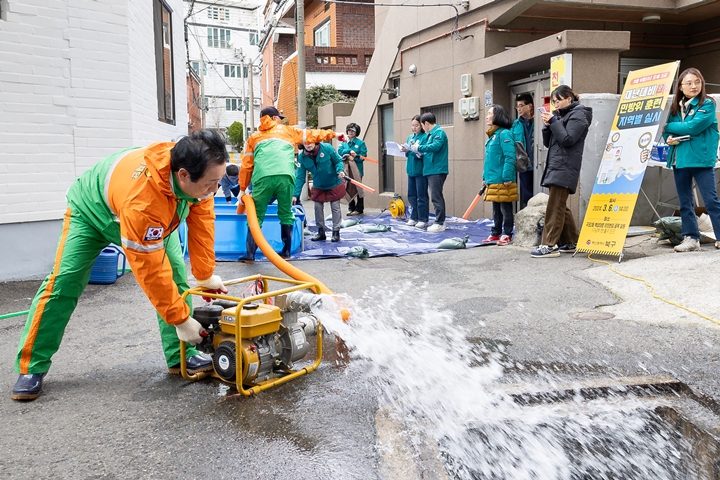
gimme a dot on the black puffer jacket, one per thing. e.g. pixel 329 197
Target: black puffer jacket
pixel 565 140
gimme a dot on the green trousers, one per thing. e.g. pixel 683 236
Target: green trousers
pixel 280 187
pixel 56 299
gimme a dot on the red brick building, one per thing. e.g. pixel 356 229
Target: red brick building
pixel 339 42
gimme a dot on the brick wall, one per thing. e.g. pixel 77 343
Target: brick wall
pixel 76 84
pixel 335 59
pixel 355 26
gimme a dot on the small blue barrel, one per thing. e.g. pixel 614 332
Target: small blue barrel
pixel 105 268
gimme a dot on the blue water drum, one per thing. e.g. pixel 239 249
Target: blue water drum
pixel 105 269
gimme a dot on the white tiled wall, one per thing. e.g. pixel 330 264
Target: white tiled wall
pixel 77 82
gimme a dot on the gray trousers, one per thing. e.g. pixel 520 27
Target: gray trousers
pixel 320 214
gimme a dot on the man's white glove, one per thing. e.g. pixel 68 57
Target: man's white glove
pixel 212 283
pixel 189 331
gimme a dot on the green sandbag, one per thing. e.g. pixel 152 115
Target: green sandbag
pixel 669 228
pixel 348 222
pixel 307 231
pixel 454 243
pixel 376 228
pixel 358 252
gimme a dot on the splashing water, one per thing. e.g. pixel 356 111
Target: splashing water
pixel 440 386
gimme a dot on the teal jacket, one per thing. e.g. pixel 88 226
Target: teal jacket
pixel 702 125
pixel 324 168
pixel 359 147
pixel 499 158
pixel 435 152
pixel 414 166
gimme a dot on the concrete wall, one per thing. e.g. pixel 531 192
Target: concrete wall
pixel 77 83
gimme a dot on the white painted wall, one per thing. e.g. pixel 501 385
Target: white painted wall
pixel 77 83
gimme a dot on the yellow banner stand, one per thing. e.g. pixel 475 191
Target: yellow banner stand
pixel 624 160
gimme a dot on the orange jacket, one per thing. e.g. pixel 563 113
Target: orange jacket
pixel 274 146
pixel 148 204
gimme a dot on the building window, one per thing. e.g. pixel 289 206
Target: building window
pixel 233 104
pixel 196 67
pixel 444 114
pixel 253 38
pixel 162 22
pixel 219 13
pixel 236 71
pixel 322 34
pixel 218 37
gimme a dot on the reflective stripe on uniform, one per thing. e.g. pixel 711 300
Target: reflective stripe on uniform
pixel 106 188
pixel 26 354
pixel 139 247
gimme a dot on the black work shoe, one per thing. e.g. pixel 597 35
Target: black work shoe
pixel 319 236
pixel 27 387
pixel 335 236
pixel 195 364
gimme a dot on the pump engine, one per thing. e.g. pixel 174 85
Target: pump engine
pixel 271 337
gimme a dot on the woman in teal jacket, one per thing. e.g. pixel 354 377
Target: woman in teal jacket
pixel 435 166
pixel 356 150
pixel 417 182
pixel 326 168
pixel 692 133
pixel 499 174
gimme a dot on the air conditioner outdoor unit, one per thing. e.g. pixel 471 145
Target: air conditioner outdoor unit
pixel 474 107
pixel 256 102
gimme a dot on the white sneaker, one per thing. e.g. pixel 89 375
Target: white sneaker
pixel 436 228
pixel 424 225
pixel 411 223
pixel 688 244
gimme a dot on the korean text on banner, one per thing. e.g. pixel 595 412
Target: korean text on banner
pixel 624 160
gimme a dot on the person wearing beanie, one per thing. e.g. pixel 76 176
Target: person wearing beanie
pixel 326 168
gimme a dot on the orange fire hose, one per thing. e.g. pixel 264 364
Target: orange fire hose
pixel 361 185
pixel 284 266
pixel 474 202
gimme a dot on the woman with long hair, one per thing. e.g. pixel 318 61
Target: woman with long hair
pixel 499 174
pixel 417 182
pixel 692 134
pixel 564 132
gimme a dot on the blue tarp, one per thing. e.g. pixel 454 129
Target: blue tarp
pixel 400 240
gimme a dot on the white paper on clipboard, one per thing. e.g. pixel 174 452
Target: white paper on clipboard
pixel 393 148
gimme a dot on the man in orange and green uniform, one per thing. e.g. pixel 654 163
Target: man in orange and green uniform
pixel 269 162
pixel 135 198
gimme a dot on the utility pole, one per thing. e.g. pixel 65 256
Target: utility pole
pixel 201 74
pixel 252 100
pixel 300 31
pixel 244 99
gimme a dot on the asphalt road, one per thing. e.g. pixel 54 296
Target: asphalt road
pixel 110 410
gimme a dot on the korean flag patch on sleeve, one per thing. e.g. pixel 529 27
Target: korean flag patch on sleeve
pixel 154 233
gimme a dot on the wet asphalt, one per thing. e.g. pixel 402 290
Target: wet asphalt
pixel 110 410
